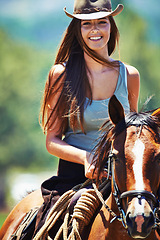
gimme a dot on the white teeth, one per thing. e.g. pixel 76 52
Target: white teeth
pixel 95 38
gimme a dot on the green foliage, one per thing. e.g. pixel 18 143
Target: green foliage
pixel 23 72
pixel 3 216
pixel 136 50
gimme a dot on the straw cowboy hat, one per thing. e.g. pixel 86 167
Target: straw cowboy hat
pixel 93 9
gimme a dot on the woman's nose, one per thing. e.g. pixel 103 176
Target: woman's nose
pixel 94 31
pixel 94 28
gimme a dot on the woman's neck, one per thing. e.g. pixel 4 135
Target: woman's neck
pixel 93 65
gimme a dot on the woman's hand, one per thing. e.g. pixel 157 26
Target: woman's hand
pixel 89 166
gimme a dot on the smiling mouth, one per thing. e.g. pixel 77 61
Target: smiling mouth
pixel 95 38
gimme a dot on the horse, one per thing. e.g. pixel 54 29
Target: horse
pixel 130 151
pixel 131 146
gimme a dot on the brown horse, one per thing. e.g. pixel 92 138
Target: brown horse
pixel 131 146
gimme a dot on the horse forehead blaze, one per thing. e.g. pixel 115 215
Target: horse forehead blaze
pixel 131 140
pixel 138 151
pixel 137 147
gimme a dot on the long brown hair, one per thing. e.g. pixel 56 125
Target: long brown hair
pixel 75 81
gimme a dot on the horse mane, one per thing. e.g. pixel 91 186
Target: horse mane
pixel 110 131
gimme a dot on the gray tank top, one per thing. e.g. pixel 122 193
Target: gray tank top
pixel 96 114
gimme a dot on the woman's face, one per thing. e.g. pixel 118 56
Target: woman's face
pixel 96 33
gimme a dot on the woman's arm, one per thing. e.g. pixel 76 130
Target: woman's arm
pixel 57 147
pixel 54 143
pixel 133 84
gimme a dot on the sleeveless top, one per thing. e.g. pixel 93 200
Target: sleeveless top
pixel 95 114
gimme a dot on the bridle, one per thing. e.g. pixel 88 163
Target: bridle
pixel 133 193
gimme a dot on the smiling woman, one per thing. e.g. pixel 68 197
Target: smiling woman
pixel 96 34
pixel 78 90
pixel 76 95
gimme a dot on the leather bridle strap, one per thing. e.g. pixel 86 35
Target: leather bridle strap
pixel 139 194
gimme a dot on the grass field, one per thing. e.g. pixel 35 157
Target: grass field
pixel 2 218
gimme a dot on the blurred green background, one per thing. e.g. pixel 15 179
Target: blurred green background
pixel 30 32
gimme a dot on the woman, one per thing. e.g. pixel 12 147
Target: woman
pixel 80 84
pixel 76 96
pixel 77 91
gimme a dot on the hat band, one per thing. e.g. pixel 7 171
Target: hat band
pixel 91 10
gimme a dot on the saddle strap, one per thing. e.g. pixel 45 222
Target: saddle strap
pixel 28 219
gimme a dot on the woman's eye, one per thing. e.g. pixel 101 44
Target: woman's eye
pixel 102 22
pixel 86 23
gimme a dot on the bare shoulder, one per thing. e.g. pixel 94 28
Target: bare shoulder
pixel 133 85
pixel 55 72
pixel 132 72
pixel 133 77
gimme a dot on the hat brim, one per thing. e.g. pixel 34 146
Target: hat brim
pixel 95 15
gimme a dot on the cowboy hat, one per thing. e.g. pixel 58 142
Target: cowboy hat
pixel 93 9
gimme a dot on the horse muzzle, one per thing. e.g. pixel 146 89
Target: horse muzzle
pixel 139 218
pixel 139 226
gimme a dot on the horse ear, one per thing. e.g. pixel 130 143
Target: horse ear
pixel 115 109
pixel 156 113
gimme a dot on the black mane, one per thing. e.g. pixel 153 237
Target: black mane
pixel 138 119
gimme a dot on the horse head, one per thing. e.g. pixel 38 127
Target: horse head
pixel 134 153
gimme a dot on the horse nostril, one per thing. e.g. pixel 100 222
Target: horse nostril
pixel 129 220
pixel 151 220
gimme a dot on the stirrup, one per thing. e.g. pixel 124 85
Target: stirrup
pixel 25 225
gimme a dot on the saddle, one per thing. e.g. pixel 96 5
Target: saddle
pixel 70 215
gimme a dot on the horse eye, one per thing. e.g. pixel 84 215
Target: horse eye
pixel 115 157
pixel 157 158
